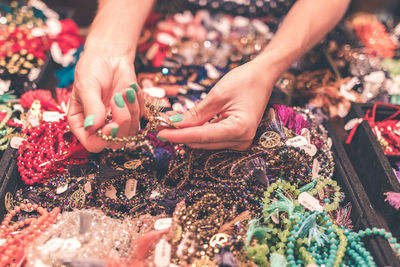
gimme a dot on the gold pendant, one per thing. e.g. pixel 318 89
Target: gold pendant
pixel 132 164
pixel 8 201
pixel 77 199
pixel 288 132
pixel 270 139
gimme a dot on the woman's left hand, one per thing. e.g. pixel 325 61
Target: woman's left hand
pixel 229 115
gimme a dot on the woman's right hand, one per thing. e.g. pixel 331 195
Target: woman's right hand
pixel 103 79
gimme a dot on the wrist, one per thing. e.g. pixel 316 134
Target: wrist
pixel 109 47
pixel 269 63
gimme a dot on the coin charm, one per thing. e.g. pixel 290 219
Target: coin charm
pixel 270 139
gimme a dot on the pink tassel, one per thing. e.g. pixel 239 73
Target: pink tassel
pixel 394 199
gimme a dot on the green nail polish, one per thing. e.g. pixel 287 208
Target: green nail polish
pixel 176 118
pixel 114 132
pixel 130 95
pixel 162 139
pixel 119 101
pixel 134 87
pixel 89 120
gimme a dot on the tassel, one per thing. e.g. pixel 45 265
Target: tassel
pixel 394 199
pixel 44 96
pixel 162 157
pixel 255 230
pixel 106 173
pixel 63 96
pixel 310 228
pixel 308 187
pixel 258 254
pixel 300 123
pixel 7 97
pixel 256 167
pixel 343 216
pixel 284 204
pixel 225 259
pixel 274 123
pixel 278 260
pixel 228 227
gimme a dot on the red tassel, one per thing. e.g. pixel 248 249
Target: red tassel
pixel 63 95
pixel 394 199
pixel 46 99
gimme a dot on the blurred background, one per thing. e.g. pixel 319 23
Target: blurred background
pixel 85 10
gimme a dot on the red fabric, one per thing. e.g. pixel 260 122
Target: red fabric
pixel 69 36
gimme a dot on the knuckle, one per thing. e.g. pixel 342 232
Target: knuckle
pixel 194 114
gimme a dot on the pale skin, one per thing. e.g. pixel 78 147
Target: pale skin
pixel 239 98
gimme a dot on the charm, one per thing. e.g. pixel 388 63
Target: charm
pixel 219 239
pixel 270 139
pixel 132 164
pixel 77 199
pixel 8 201
pixel 288 132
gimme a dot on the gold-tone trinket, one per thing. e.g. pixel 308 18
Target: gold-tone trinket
pixel 219 239
pixel 270 139
pixel 288 132
pixel 77 199
pixel 132 164
pixel 321 193
pixel 8 201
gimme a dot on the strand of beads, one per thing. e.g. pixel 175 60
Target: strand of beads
pixel 44 152
pixel 345 246
pixel 278 237
pixel 17 236
pixel 378 232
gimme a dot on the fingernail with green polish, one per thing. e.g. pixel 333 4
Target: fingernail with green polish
pixel 114 132
pixel 135 87
pixel 130 95
pixel 176 118
pixel 161 139
pixel 89 120
pixel 119 101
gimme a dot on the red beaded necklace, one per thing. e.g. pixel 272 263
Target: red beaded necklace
pixel 47 149
pixel 14 238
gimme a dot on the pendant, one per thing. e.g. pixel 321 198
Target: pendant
pixel 132 164
pixel 77 199
pixel 270 139
pixel 219 239
pixel 8 201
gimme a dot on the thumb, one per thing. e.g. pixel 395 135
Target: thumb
pixel 199 114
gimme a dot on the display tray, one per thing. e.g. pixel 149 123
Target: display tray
pixel 362 213
pixel 373 167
